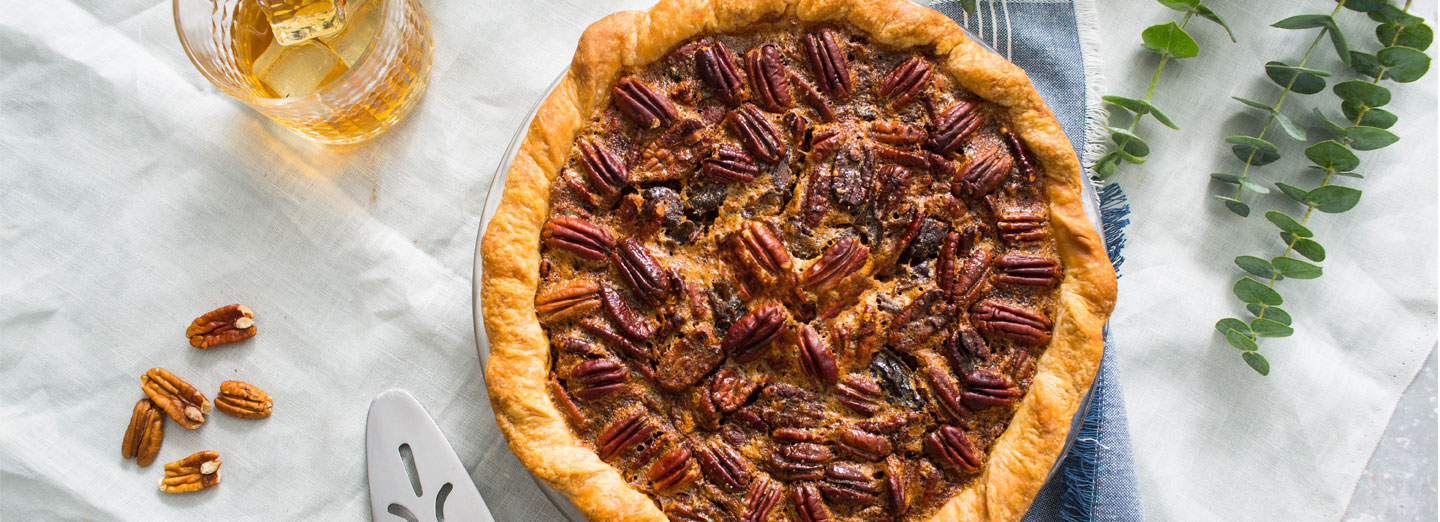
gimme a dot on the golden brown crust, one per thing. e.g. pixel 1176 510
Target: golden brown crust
pixel 517 371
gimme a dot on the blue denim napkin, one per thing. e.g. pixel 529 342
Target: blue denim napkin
pixel 1096 481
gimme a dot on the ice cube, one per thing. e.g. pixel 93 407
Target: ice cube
pixel 295 21
pixel 297 70
pixel 363 19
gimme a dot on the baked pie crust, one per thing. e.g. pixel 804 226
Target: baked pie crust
pixel 519 373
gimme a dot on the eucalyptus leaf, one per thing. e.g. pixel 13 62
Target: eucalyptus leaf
pixel 1257 362
pixel 1129 158
pixel 1290 128
pixel 1252 291
pixel 1160 116
pixel 1295 268
pixel 1296 79
pixel 1309 248
pixel 1333 199
pixel 1235 205
pixel 1130 104
pixel 1355 175
pixel 1273 313
pixel 1287 223
pixel 1369 138
pixel 1107 165
pixel 1363 92
pixel 1403 64
pixel 1331 155
pixel 1230 323
pixel 1241 341
pixel 1170 40
pixel 1365 64
pixel 1256 266
pixel 1267 328
pixel 1378 118
pixel 1337 39
pixel 1253 186
pixel 1258 105
pixel 1129 142
pixel 1415 37
pixel 968 5
pixel 1396 16
pixel 1295 193
pixel 1305 21
pixel 1365 6
pixel 1184 6
pixel 1222 177
pixel 1252 150
pixel 1210 14
pixel 1336 128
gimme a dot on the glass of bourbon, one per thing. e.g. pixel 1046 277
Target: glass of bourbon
pixel 334 71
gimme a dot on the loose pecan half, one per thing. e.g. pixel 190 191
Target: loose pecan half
pixel 965 343
pixel 859 393
pixel 954 124
pixel 724 466
pixel 797 124
pixel 598 378
pixel 645 106
pixel 972 278
pixel 945 265
pixel 1028 270
pixel 915 160
pixel 144 434
pixel 598 329
pixel 762 254
pixel 808 505
pixel 1022 225
pixel 242 399
pixel 756 133
pixel 840 260
pixel 895 482
pixel 848 483
pixel 642 272
pixel 1007 321
pixel 730 389
pixel 730 164
pixel 177 398
pixel 906 81
pixel 988 389
pixel 919 321
pixel 815 358
pixel 863 445
pixel 797 435
pixel 632 323
pixel 1022 155
pixel 672 471
pixel 227 324
pixel 983 174
pixel 624 433
pixel 896 133
pixel 562 399
pixel 761 499
pixel 800 461
pixel 716 67
pixel 605 171
pixel 894 189
pixel 813 97
pixel 951 448
pixel 673 153
pixel 825 141
pixel 577 236
pixel 828 62
pixel 767 77
pixel 194 473
pixel 853 174
pixel 947 396
pixel 751 336
pixel 817 197
pixel 567 299
pixel 685 363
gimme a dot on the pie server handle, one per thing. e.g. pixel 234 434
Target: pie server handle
pixel 442 489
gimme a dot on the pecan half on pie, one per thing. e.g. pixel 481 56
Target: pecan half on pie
pixel 792 261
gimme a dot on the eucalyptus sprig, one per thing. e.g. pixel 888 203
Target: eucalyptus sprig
pixel 1405 37
pixel 1255 151
pixel 1169 40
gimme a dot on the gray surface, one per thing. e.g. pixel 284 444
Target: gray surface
pixel 1399 484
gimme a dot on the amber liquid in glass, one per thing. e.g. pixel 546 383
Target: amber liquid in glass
pixel 303 46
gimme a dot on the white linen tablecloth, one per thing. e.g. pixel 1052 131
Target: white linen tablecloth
pixel 135 196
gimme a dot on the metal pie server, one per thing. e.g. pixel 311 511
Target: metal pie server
pixel 415 475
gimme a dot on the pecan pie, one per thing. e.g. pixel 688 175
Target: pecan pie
pixel 792 260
